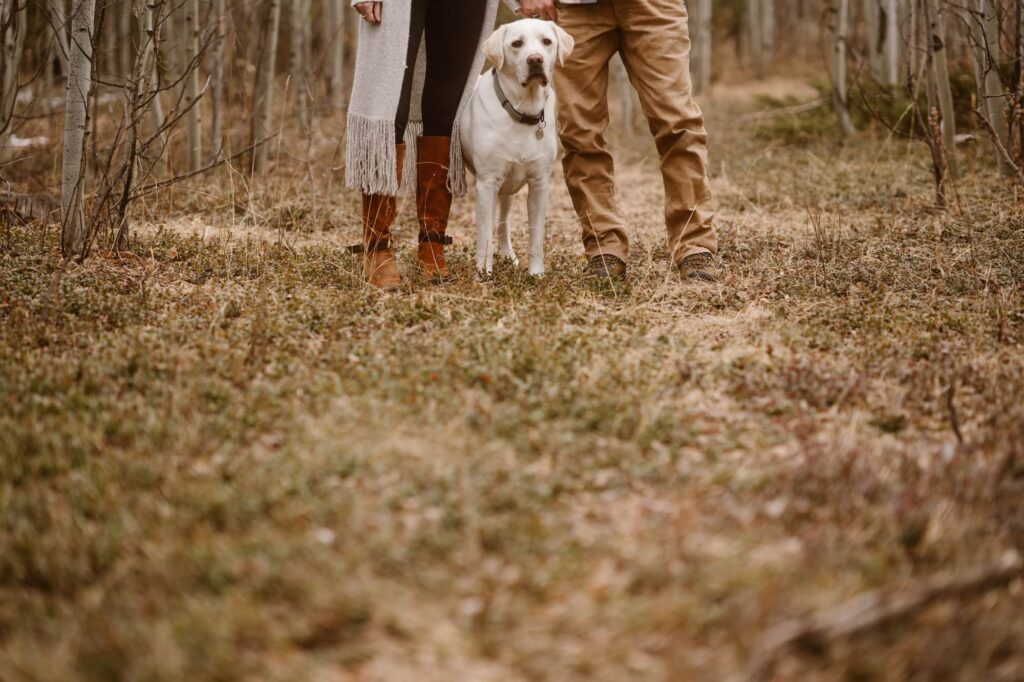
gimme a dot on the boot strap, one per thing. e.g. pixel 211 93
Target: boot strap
pixel 436 238
pixel 370 247
pixel 378 245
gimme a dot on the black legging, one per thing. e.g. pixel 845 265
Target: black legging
pixel 452 30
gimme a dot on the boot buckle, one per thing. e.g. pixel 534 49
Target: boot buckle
pixel 442 239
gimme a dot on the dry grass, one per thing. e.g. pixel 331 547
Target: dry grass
pixel 222 458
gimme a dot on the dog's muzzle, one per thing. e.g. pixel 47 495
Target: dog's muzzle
pixel 537 72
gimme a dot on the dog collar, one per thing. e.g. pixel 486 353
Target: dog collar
pixel 516 115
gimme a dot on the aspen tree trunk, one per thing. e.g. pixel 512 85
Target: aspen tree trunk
pixel 788 27
pixel 264 98
pixel 938 75
pixel 171 44
pixel 767 28
pixel 839 68
pixel 334 12
pixel 149 45
pixel 297 58
pixel 1017 134
pixel 123 11
pixel 991 99
pixel 73 228
pixel 703 45
pixel 754 38
pixel 913 53
pixel 933 137
pixel 872 21
pixel 217 79
pixel 194 118
pixel 891 44
pixel 13 27
pixel 150 23
pixel 348 48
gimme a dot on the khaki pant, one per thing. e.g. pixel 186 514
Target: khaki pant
pixel 654 41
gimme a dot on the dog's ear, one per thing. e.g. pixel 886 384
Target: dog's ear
pixel 494 48
pixel 565 44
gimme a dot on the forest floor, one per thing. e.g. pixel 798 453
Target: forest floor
pixel 223 458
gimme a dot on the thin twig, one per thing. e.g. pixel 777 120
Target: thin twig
pixel 149 189
pixel 999 146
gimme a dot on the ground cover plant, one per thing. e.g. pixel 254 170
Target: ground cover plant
pixel 222 457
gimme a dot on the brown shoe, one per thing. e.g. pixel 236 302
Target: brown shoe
pixel 433 205
pixel 379 210
pixel 698 266
pixel 607 267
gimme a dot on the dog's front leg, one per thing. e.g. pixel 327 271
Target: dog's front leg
pixel 537 209
pixel 486 198
pixel 504 236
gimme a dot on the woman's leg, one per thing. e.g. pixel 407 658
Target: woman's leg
pixel 417 24
pixel 453 30
pixel 455 26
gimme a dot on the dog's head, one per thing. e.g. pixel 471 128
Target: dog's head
pixel 528 49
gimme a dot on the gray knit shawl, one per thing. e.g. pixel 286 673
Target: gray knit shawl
pixel 370 157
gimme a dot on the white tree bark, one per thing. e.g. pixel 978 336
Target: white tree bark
pixel 873 34
pixel 839 67
pixel 755 37
pixel 123 12
pixel 73 227
pixel 217 78
pixel 351 34
pixel 914 54
pixel 265 87
pixel 938 74
pixel 149 44
pixel 891 44
pixel 194 118
pixel 768 28
pixel 334 14
pixel 298 58
pixel 991 98
pixel 13 27
pixel 171 30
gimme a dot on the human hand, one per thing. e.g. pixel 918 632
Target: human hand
pixel 371 11
pixel 539 9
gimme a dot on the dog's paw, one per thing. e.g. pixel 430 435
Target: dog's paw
pixel 510 257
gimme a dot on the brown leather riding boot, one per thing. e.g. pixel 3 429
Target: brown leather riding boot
pixel 378 214
pixel 433 204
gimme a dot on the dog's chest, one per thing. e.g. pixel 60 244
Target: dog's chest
pixel 526 163
pixel 523 149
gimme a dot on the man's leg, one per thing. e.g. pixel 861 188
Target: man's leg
pixel 656 52
pixel 582 91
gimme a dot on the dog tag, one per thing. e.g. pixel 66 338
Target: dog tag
pixel 540 132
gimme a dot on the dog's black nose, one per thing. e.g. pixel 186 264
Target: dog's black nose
pixel 535 60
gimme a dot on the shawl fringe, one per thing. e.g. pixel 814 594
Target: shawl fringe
pixel 412 130
pixel 371 162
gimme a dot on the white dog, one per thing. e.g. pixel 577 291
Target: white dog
pixel 508 134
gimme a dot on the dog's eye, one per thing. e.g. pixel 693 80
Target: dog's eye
pixel 547 41
pixel 517 44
